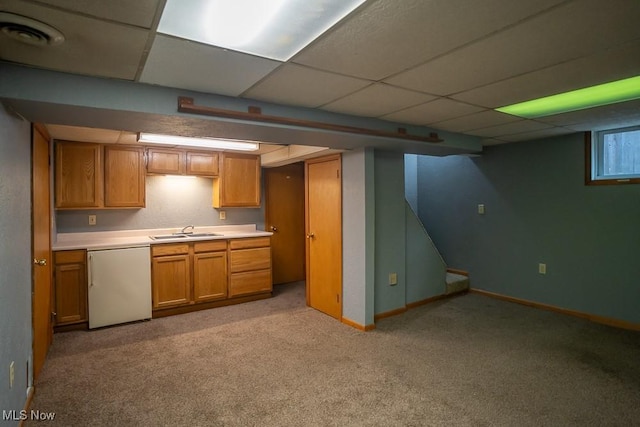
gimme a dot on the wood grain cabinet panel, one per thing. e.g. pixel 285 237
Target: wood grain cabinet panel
pixel 124 177
pixel 250 282
pixel 209 276
pixel 250 259
pixel 70 287
pixel 250 266
pixel 165 161
pixel 78 175
pixel 171 279
pixel 202 164
pixel 239 182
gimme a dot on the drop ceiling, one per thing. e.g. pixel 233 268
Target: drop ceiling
pixel 443 64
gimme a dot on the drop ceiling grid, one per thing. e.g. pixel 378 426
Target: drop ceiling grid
pixel 139 13
pixel 604 66
pixel 515 51
pixel 413 32
pixel 190 65
pixel 377 100
pixel 432 112
pixel 91 47
pixel 298 85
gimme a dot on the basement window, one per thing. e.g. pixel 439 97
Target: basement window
pixel 613 156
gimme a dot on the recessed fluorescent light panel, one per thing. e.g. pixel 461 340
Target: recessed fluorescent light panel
pixel 581 99
pixel 215 143
pixel 275 29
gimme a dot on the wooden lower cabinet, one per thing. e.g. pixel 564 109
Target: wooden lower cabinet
pixel 70 287
pixel 192 276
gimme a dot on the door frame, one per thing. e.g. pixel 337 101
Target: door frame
pixel 329 158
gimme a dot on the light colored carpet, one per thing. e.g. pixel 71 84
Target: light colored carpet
pixel 465 361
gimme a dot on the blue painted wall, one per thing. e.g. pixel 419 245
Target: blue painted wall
pixel 538 210
pixel 15 258
pixel 390 229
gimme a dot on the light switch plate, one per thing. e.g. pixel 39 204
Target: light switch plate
pixel 481 209
pixel 223 215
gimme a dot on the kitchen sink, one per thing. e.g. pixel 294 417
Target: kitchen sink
pixel 182 235
pixel 168 236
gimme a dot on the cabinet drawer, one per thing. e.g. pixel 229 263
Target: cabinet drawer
pixel 254 242
pixel 213 246
pixel 250 283
pixel 250 259
pixel 161 250
pixel 68 257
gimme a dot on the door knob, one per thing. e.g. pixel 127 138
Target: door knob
pixel 274 229
pixel 310 236
pixel 41 262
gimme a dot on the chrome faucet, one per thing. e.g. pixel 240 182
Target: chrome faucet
pixel 184 230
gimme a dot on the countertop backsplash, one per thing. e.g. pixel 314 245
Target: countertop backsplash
pixel 170 202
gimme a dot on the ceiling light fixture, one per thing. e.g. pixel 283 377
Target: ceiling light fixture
pixel 215 143
pixel 275 29
pixel 581 99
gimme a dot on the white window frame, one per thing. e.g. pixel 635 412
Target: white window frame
pixel 594 143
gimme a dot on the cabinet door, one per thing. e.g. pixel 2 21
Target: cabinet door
pixel 78 175
pixel 171 280
pixel 202 164
pixel 239 181
pixel 124 177
pixel 209 276
pixel 165 161
pixel 70 293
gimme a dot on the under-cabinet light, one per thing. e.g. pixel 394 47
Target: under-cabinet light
pixel 580 99
pixel 275 29
pixel 216 143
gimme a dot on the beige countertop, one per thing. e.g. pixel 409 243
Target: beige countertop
pixel 140 238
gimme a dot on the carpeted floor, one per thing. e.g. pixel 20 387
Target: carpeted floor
pixel 468 360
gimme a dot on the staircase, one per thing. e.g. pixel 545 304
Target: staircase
pixel 456 283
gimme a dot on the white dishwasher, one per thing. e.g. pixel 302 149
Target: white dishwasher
pixel 119 286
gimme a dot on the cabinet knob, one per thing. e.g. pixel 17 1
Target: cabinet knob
pixel 310 236
pixel 41 262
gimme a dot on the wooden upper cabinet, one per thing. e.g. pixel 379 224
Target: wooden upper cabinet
pixel 124 177
pixel 78 175
pixel 239 182
pixel 202 164
pixel 165 161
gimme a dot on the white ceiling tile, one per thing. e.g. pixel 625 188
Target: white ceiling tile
pixel 479 120
pixel 433 111
pixel 91 46
pixel 302 86
pixel 512 128
pixel 138 12
pixel 600 68
pixel 189 65
pixel 377 100
pixel 389 36
pixel 538 134
pixel 533 44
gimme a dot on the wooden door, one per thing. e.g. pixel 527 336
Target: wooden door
pixel 284 216
pixel 324 234
pixel 124 177
pixel 41 291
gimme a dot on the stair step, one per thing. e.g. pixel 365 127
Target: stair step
pixel 456 283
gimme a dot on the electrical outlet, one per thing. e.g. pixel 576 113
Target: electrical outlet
pixel 393 279
pixel 542 268
pixel 12 374
pixel 92 220
pixel 223 215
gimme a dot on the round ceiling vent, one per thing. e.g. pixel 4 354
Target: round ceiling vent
pixel 29 30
